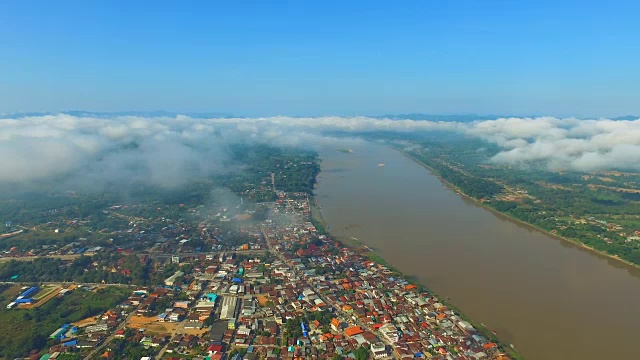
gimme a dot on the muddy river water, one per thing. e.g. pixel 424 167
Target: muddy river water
pixel 549 298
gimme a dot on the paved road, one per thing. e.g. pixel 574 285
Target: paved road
pixel 153 255
pixel 173 333
pixel 31 258
pixel 217 253
pixel 98 349
pixel 163 350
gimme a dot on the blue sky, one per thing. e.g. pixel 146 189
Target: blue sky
pixel 322 57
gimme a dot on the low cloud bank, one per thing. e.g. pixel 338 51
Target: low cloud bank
pixel 168 151
pixel 564 144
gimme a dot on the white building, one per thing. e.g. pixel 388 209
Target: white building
pixel 171 280
pixel 243 330
pixel 379 350
pixel 228 310
pixel 390 332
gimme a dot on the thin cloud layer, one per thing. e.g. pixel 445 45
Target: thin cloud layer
pixel 168 151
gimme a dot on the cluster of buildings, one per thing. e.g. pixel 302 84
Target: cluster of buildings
pixel 372 304
pixel 307 296
pixel 273 287
pixel 129 228
pixel 340 301
pixel 84 336
pixel 613 231
pixel 26 297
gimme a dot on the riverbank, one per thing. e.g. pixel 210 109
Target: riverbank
pixel 457 190
pixel 363 250
pixel 352 243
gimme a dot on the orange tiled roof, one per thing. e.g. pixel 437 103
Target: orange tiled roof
pixel 354 330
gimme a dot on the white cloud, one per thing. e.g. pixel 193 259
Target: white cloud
pixel 170 150
pixel 564 144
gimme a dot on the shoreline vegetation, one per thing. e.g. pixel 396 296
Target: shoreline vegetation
pixel 508 217
pixel 362 249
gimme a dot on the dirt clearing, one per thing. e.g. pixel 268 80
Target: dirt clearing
pixel 155 327
pixel 86 322
pixel 262 300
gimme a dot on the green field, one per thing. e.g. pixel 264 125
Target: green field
pixel 24 330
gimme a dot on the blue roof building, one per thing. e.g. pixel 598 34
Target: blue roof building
pixel 71 343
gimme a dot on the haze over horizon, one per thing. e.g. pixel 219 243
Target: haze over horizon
pixel 254 58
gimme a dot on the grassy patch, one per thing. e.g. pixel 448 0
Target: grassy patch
pixel 24 330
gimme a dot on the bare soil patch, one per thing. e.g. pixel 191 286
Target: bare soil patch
pixel 262 300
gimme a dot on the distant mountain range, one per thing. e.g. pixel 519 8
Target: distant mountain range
pixel 626 117
pixel 434 117
pixel 472 117
pixel 104 114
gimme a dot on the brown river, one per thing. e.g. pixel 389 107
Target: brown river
pixel 549 298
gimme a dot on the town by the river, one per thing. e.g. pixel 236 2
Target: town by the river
pixel 549 298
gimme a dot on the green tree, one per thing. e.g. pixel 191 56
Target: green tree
pixel 362 353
